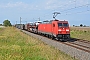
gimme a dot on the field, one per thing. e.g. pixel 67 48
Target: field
pixel 16 45
pixel 80 33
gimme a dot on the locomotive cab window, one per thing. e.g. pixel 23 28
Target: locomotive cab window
pixel 60 24
pixel 65 24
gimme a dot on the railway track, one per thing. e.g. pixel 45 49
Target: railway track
pixel 81 40
pixel 78 46
pixel 77 43
pixel 85 41
pixel 79 49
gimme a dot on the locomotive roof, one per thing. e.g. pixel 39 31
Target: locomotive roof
pixel 37 21
pixel 61 21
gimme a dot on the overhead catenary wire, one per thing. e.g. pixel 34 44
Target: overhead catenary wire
pixel 79 12
pixel 67 11
pixel 76 12
pixel 76 7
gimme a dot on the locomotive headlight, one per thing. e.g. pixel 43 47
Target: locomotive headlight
pixel 59 30
pixel 67 29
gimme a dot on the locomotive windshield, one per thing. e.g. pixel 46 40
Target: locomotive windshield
pixel 60 24
pixel 63 24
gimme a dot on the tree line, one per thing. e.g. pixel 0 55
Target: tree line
pixel 81 25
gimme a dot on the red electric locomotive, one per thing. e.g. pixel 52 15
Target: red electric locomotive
pixel 55 29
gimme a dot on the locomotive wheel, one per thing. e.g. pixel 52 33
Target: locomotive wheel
pixel 52 37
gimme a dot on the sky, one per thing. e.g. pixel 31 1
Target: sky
pixel 76 12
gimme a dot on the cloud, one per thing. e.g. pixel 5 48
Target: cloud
pixel 64 4
pixel 14 5
pixel 45 5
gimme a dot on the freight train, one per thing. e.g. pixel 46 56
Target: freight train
pixel 54 29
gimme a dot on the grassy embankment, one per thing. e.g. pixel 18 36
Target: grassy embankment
pixel 15 45
pixel 80 32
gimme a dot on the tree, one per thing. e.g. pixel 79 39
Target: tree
pixel 81 25
pixel 73 25
pixel 0 24
pixel 7 23
pixel 85 26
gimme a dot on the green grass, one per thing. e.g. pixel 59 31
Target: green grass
pixel 0 28
pixel 80 33
pixel 15 45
